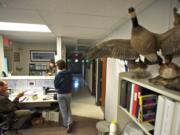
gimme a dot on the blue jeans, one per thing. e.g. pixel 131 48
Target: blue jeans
pixel 64 101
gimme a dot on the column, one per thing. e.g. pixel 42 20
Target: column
pixel 61 50
pixel 1 55
pixel 58 49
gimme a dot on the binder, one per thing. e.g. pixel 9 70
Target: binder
pixel 131 99
pixel 123 96
pixel 176 120
pixel 135 99
pixel 168 117
pixel 159 115
pixel 147 108
pixel 128 99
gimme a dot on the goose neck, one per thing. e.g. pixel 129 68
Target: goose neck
pixel 135 22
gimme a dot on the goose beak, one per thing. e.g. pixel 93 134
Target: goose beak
pixel 132 12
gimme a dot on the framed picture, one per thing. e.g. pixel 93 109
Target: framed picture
pixel 41 56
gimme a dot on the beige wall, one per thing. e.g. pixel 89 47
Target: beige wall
pixel 24 49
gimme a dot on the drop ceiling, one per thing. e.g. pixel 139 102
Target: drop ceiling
pixel 77 21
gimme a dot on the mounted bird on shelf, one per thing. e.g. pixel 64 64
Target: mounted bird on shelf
pixel 169 73
pixel 145 43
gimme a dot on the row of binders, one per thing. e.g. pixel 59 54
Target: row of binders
pixel 147 106
pixel 167 117
pixel 138 102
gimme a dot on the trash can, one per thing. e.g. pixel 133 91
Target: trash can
pixel 103 127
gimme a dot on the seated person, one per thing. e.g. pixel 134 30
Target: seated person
pixel 7 106
pixel 52 68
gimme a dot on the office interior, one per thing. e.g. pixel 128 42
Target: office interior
pixel 74 28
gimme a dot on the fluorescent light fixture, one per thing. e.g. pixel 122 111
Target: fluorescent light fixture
pixel 8 26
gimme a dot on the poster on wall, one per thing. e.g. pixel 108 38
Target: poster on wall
pixel 41 56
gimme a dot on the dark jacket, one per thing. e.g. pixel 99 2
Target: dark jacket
pixel 63 82
pixel 6 105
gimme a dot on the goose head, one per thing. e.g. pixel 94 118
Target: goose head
pixel 176 17
pixel 134 19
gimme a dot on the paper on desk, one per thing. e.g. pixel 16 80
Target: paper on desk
pixel 28 92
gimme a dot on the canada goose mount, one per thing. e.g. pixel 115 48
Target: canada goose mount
pixel 143 42
pixel 169 76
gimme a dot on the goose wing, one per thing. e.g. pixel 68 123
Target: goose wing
pixel 115 48
pixel 170 41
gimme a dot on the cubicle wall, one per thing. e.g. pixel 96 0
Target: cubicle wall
pixel 29 82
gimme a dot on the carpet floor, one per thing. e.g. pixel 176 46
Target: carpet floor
pixel 83 126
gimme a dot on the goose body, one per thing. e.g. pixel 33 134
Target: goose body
pixel 169 71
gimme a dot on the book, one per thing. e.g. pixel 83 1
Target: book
pixel 123 94
pixel 159 115
pixel 176 120
pixel 128 99
pixel 147 108
pixel 167 117
pixel 135 99
pixel 131 99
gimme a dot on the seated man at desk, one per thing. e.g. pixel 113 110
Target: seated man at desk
pixel 7 106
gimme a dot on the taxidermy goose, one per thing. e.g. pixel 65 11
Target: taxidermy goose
pixel 169 76
pixel 142 42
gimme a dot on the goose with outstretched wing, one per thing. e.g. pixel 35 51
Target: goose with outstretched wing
pixel 120 49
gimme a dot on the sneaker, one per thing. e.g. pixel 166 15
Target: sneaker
pixel 69 128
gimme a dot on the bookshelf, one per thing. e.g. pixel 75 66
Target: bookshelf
pixel 124 117
pixel 38 69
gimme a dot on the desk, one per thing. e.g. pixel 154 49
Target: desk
pixel 43 103
pixel 41 100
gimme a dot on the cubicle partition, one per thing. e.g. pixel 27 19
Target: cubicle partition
pixel 34 93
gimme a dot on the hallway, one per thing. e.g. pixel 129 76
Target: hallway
pixel 83 101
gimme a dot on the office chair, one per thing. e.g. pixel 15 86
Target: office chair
pixel 6 123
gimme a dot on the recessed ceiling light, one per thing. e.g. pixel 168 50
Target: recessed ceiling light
pixel 76 60
pixel 9 26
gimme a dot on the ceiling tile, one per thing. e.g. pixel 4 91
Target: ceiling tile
pixel 114 8
pixel 79 20
pixel 51 5
pixel 20 15
pixel 22 4
pixel 29 36
pixel 79 32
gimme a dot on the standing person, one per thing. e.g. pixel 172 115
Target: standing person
pixel 52 68
pixel 63 85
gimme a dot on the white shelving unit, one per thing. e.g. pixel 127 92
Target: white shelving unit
pixel 125 117
pixel 146 127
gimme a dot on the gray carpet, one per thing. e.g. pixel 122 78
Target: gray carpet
pixel 83 126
